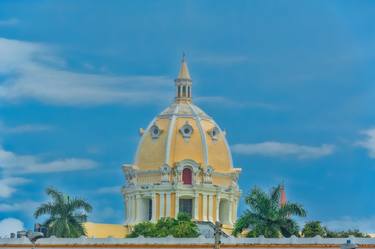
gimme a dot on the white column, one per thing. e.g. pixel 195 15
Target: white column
pixel 211 207
pixel 235 211
pixel 168 205
pixel 230 210
pixel 126 209
pixel 139 209
pixel 131 207
pixel 177 206
pixel 134 206
pixel 153 218
pixel 196 196
pixel 204 218
pixel 217 207
pixel 161 205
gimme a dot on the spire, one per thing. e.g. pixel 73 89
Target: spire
pixel 183 83
pixel 282 195
pixel 184 71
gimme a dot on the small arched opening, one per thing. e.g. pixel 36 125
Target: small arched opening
pixel 187 176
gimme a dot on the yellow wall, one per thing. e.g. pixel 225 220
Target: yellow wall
pixel 221 180
pixel 173 205
pixel 98 230
pixel 180 149
pixel 217 150
pixel 200 207
pixel 157 206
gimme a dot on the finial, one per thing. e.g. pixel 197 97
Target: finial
pixel 183 56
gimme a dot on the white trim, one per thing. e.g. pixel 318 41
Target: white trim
pixel 153 218
pixel 204 213
pixel 196 196
pixel 218 198
pixel 171 127
pixel 161 211
pixel 168 203
pixel 202 133
pixel 210 207
pixel 126 210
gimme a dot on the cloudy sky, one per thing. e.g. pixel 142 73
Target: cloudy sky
pixel 291 82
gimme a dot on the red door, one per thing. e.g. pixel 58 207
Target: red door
pixel 187 176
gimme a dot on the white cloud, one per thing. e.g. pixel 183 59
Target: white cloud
pixel 363 224
pixel 10 225
pixel 272 148
pixel 25 206
pixel 34 72
pixel 109 190
pixel 368 142
pixel 22 164
pixel 9 22
pixel 7 185
pixel 25 128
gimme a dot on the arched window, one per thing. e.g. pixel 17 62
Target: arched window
pixel 187 176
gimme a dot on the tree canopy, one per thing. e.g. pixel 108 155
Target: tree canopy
pixel 66 214
pixel 266 216
pixel 314 228
pixel 182 227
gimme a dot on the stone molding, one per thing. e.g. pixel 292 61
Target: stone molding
pixel 260 242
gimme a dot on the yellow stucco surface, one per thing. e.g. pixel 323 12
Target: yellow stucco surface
pixel 173 205
pixel 187 148
pixel 100 230
pixel 217 149
pixel 157 206
pixel 151 152
pixel 200 207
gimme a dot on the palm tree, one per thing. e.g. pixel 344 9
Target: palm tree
pixel 267 217
pixel 66 214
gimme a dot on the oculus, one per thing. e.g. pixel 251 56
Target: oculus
pixel 155 131
pixel 186 130
pixel 214 132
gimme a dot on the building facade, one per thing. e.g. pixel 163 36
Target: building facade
pixel 183 164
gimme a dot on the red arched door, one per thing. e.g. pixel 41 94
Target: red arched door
pixel 187 176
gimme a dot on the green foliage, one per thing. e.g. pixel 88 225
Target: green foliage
pixel 345 234
pixel 66 215
pixel 267 217
pixel 314 228
pixel 182 227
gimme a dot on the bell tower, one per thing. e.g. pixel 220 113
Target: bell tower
pixel 183 83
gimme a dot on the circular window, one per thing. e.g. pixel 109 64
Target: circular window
pixel 214 132
pixel 186 130
pixel 155 131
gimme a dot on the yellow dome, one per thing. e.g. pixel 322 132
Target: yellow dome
pixel 183 132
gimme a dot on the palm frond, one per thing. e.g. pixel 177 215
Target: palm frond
pixel 57 196
pixel 76 203
pixel 46 208
pixel 292 209
pixel 275 194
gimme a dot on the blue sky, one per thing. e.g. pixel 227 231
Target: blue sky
pixel 292 83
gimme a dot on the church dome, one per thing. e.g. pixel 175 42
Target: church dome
pixel 183 132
